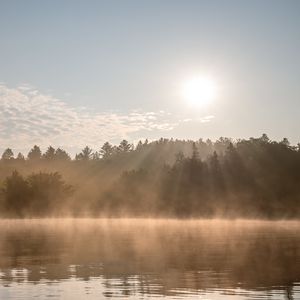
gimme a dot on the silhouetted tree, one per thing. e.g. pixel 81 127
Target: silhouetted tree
pixel 7 154
pixel 264 138
pixel 20 157
pixel 35 153
pixel 49 154
pixel 38 195
pixel 124 147
pixel 61 155
pixel 107 150
pixel 285 142
pixel 47 193
pixel 85 154
pixel 16 194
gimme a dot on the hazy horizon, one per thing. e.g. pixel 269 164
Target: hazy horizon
pixel 82 73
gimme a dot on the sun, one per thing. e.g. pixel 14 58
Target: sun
pixel 199 91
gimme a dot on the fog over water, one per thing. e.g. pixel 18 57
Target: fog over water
pixel 146 258
pixel 149 149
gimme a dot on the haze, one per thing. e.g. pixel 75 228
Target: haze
pixel 126 62
pixel 150 149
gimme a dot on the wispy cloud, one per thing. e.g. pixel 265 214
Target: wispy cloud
pixel 207 119
pixel 29 117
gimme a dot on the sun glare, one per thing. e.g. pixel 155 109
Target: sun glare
pixel 199 91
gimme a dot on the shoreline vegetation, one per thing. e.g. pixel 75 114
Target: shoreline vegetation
pixel 254 178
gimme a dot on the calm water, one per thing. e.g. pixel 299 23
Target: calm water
pixel 142 259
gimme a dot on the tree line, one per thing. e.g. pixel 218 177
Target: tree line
pixel 250 178
pixel 87 153
pixel 108 150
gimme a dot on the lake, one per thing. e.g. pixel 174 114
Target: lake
pixel 147 258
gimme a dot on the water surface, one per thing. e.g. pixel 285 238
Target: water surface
pixel 143 259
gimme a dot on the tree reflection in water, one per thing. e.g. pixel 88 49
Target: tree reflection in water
pixel 154 257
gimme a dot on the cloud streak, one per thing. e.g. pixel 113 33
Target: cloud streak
pixel 29 117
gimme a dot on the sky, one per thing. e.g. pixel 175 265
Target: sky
pixel 76 73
